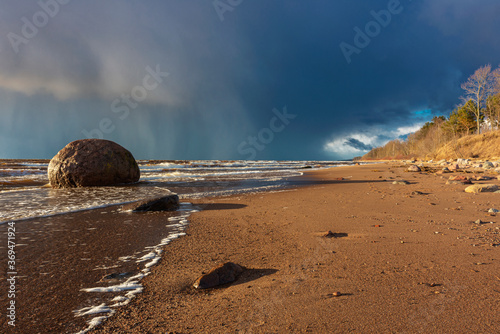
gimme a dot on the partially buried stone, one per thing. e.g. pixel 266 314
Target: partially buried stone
pixel 331 234
pixel 459 182
pixel 401 182
pixel 165 203
pixel 222 274
pixel 92 162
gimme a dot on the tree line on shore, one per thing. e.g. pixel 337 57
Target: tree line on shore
pixel 478 112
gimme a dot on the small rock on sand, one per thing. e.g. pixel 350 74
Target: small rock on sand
pixel 414 168
pixel 459 182
pixel 222 274
pixel 488 165
pixel 482 178
pixel 331 234
pixel 401 182
pixel 479 188
pixel 459 178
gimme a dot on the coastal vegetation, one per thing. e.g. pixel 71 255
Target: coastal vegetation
pixel 472 130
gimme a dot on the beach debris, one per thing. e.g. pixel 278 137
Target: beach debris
pixel 479 222
pixel 414 168
pixel 92 162
pixel 222 274
pixel 492 210
pixel 401 182
pixel 331 234
pixel 479 188
pixel 163 203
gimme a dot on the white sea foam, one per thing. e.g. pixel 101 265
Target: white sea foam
pixel 92 310
pixel 131 286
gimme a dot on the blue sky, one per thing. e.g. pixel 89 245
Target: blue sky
pixel 234 79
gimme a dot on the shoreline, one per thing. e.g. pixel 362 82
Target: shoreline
pixel 409 260
pixel 63 258
pixel 388 262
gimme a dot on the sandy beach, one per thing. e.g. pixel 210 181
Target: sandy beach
pixel 404 259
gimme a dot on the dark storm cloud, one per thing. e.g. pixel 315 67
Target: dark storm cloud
pixel 226 76
pixel 357 144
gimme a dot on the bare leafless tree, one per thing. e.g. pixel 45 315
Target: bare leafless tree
pixel 493 101
pixel 496 76
pixel 477 88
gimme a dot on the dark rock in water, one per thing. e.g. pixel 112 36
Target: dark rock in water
pixel 222 274
pixel 92 162
pixel 165 203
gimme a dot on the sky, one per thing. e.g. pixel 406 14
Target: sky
pixel 234 79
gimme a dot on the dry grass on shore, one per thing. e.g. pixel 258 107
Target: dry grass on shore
pixel 483 146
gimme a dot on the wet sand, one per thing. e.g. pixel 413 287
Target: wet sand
pixel 405 259
pixel 403 262
pixel 58 256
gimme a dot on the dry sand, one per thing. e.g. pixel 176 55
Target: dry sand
pixel 408 262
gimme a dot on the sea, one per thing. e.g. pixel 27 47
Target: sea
pixel 28 203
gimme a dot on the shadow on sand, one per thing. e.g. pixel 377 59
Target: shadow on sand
pixel 219 206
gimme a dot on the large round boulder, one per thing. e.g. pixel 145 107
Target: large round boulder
pixel 92 162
